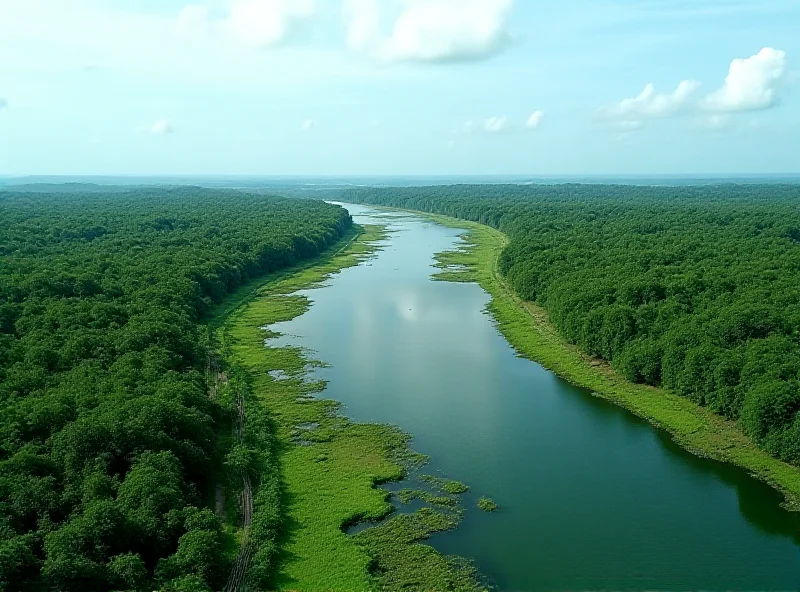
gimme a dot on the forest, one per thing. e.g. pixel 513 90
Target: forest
pixel 110 442
pixel 695 289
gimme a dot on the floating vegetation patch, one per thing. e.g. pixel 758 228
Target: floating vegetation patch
pixel 445 485
pixel 487 504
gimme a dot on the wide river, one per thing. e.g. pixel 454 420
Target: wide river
pixel 592 498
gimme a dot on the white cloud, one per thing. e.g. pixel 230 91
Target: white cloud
pixel 750 84
pixel 267 23
pixel 501 124
pixel 535 120
pixel 163 127
pixel 362 18
pixel 430 30
pixel 649 104
pixel 308 125
pixel 496 125
pixel 493 125
pixel 252 23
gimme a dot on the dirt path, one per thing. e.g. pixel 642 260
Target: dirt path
pixel 236 580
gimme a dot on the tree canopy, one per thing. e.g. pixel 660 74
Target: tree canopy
pixel 106 427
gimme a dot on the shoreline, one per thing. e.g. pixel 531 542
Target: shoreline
pixel 326 460
pixel 526 327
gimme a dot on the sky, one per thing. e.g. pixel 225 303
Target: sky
pixel 399 87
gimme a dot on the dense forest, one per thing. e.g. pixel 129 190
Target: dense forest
pixel 109 438
pixel 696 289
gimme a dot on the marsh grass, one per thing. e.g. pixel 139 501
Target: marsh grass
pixel 406 496
pixel 401 562
pixel 330 474
pixel 444 485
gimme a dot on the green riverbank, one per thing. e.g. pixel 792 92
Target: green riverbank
pixel 329 466
pixel 527 328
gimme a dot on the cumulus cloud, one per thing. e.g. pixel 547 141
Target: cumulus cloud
pixel 751 83
pixel 650 104
pixel 267 23
pixel 252 23
pixel 308 125
pixel 535 120
pixel 500 124
pixel 163 127
pixel 429 30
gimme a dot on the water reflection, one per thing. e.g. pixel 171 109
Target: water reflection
pixel 592 497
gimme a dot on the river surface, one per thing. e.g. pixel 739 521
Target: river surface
pixel 592 498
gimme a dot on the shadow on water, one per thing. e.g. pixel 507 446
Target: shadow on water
pixel 759 503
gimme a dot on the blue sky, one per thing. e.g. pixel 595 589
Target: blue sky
pixel 416 87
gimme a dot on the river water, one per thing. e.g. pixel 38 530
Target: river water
pixel 592 498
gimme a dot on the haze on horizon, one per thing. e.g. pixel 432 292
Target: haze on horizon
pixel 399 87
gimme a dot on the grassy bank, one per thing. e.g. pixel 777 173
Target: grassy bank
pixel 330 466
pixel 527 328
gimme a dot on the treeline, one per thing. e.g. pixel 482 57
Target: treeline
pixel 108 436
pixel 696 289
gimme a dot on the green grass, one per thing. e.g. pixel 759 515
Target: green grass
pixel 406 496
pixel 330 478
pixel 402 563
pixel 527 328
pixel 444 485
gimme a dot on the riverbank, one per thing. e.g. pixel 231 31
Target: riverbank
pixel 330 467
pixel 527 328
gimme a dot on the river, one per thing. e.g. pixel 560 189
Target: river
pixel 591 497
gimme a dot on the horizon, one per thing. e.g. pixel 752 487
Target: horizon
pixel 223 180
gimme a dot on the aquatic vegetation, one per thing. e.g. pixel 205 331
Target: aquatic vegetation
pixel 406 496
pixel 445 485
pixel 400 562
pixel 487 504
pixel 331 469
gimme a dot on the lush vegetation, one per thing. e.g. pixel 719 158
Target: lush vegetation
pixel 331 466
pixel 696 289
pixel 111 419
pixel 487 504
